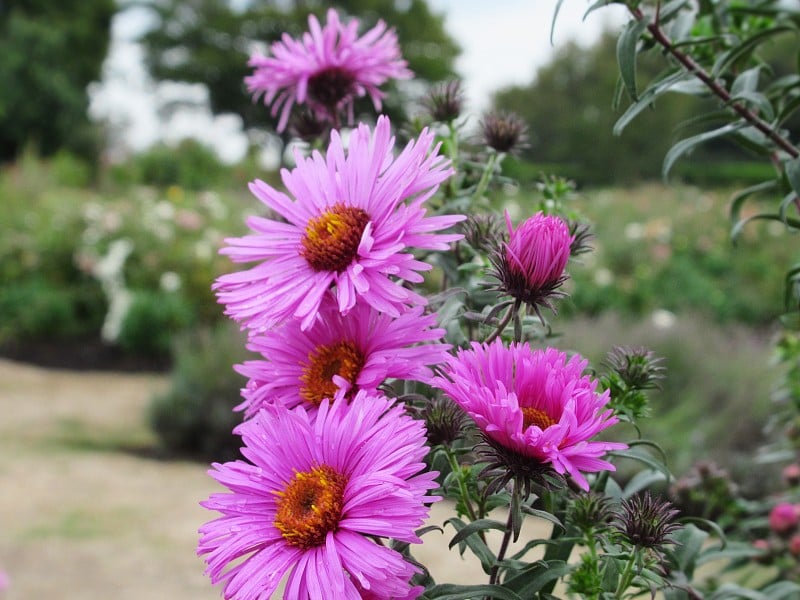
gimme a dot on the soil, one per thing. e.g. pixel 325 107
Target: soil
pixel 85 511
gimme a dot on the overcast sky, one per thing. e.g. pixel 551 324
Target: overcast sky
pixel 503 42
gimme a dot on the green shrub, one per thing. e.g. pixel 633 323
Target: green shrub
pixel 195 417
pixel 37 310
pixel 714 376
pixel 190 165
pixel 152 320
pixel 70 171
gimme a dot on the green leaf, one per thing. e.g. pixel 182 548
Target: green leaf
pixel 532 580
pixel 476 545
pixel 671 9
pixel 626 54
pixel 544 515
pixel 475 527
pixel 553 21
pixel 643 458
pixel 642 480
pixel 450 591
pixel 739 198
pixel 687 144
pixel 688 543
pixel 782 589
pixel 792 170
pixel 737 229
pixel 648 96
pixel 726 59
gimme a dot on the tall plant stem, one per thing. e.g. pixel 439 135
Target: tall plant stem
pixel 501 553
pixel 462 486
pixel 691 66
pixel 501 326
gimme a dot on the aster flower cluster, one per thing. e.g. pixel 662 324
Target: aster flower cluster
pixel 336 475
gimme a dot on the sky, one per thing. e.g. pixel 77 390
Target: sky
pixel 503 43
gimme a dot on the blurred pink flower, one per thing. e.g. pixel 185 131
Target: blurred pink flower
pixel 783 518
pixel 314 498
pixel 536 403
pixel 354 221
pixel 339 355
pixel 327 69
pixel 794 545
pixel 791 474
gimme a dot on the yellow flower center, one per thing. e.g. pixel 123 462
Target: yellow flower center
pixel 310 506
pixel 332 239
pixel 342 359
pixel 535 416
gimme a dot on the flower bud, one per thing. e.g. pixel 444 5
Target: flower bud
pixel 530 267
pixel 445 101
pixel 646 521
pixel 504 131
pixel 794 545
pixel 791 474
pixel 638 367
pixel 783 518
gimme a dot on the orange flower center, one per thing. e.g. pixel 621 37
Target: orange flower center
pixel 332 239
pixel 342 359
pixel 310 506
pixel 535 416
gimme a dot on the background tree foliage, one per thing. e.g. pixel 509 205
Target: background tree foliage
pixel 209 42
pixel 50 52
pixel 568 109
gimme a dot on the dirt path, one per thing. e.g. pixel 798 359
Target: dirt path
pixel 84 516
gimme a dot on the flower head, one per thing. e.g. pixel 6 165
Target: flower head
pixel 535 403
pixel 445 101
pixel 646 521
pixel 530 267
pixel 353 221
pixel 504 131
pixel 312 498
pixel 338 356
pixel 327 69
pixel 784 517
pixel 638 367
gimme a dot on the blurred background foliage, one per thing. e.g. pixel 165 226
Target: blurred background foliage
pixel 663 273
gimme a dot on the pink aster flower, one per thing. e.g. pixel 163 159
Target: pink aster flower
pixel 530 267
pixel 338 356
pixel 312 499
pixel 353 221
pixel 537 404
pixel 783 518
pixel 327 69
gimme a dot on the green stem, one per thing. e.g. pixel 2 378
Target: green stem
pixel 626 577
pixel 462 486
pixel 501 554
pixel 453 155
pixel 502 324
pixel 690 65
pixel 485 177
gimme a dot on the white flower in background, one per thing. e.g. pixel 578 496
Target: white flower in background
pixel 603 277
pixel 662 318
pixel 170 281
pixel 110 272
pixel 634 231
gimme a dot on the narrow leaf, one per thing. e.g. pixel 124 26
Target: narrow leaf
pixel 626 54
pixel 449 591
pixel 690 143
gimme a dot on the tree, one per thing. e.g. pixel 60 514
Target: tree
pixel 209 42
pixel 51 52
pixel 568 111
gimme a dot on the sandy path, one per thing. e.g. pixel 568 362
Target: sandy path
pixel 82 518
